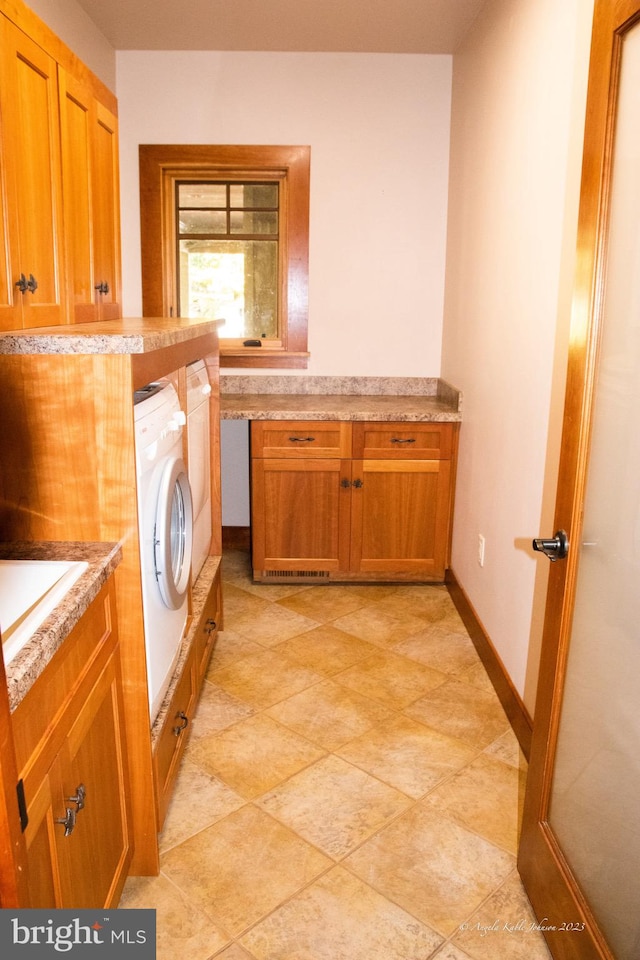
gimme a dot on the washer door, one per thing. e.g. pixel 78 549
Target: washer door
pixel 173 540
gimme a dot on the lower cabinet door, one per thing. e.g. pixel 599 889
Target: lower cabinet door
pixel 300 515
pixel 400 517
pixel 77 837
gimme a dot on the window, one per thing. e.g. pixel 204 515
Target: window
pixel 225 235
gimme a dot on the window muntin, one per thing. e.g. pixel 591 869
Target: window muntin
pixel 228 256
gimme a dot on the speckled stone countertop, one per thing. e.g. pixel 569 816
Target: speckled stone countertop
pixel 410 399
pixel 103 558
pixel 127 336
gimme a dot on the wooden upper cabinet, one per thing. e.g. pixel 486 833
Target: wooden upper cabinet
pixel 32 290
pixel 89 139
pixel 106 211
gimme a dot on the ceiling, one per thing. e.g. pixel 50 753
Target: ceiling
pixel 353 26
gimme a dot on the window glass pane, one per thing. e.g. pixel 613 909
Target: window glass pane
pixel 202 195
pixel 234 280
pixel 243 221
pixel 254 195
pixel 203 221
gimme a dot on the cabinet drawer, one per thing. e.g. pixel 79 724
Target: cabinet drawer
pixel 173 738
pixel 402 441
pixel 207 629
pixel 300 438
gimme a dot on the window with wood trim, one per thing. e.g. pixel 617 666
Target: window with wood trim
pixel 225 235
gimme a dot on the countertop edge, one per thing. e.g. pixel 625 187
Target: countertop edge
pixel 127 336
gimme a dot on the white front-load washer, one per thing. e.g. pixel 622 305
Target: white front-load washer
pixel 165 524
pixel 199 444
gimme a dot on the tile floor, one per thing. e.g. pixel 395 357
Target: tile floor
pixel 351 789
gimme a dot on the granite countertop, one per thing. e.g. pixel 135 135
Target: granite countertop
pixel 126 336
pixel 410 399
pixel 103 558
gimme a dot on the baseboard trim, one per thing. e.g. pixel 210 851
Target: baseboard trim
pixel 511 701
pixel 236 538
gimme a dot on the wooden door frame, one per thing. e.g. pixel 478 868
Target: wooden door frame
pixel 548 879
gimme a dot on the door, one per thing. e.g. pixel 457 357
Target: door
pixel 580 845
pixel 400 517
pixel 29 108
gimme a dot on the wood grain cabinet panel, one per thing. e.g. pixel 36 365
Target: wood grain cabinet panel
pixel 380 512
pixel 33 286
pixel 71 753
pixel 89 138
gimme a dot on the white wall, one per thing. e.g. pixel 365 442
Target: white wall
pixel 517 121
pixel 378 127
pixel 69 21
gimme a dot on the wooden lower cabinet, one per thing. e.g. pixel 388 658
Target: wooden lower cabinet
pixel 383 513
pixel 71 756
pixel 173 725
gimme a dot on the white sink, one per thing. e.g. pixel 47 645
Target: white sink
pixel 29 592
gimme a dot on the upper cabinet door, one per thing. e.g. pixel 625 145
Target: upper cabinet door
pixel 91 202
pixel 31 167
pixel 106 211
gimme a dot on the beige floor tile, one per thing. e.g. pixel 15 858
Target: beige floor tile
pixel 452 653
pixel 231 646
pixel 340 918
pixel 263 679
pixel 432 867
pixel 326 649
pixel 240 869
pixel 407 755
pixel 273 625
pixel 217 710
pixel 393 680
pixel 323 603
pixel 478 677
pixel 329 714
pixel 485 797
pixel 182 930
pixel 238 603
pixel 334 805
pixel 198 801
pixel 254 755
pixel 431 603
pixel 462 710
pixel 507 749
pixel 379 627
pixel 235 952
pixel 447 952
pixel 503 927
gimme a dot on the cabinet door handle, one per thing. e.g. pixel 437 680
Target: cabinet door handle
pixel 181 715
pixel 68 822
pixel 210 625
pixel 80 797
pixel 22 284
pixel 32 284
pixel 357 484
pixel 403 440
pixel 102 287
pixel 301 439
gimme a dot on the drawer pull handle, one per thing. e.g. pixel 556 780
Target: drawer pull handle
pixel 403 440
pixel 301 439
pixel 177 730
pixel 68 822
pixel 80 797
